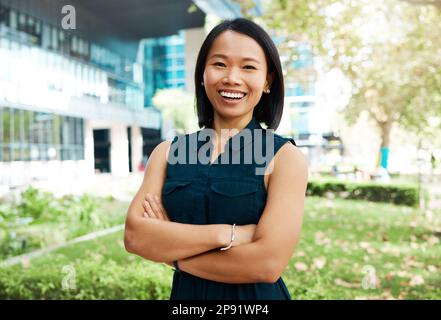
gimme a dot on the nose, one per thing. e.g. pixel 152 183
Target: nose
pixel 232 77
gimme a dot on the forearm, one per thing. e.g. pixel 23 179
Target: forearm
pixel 248 263
pixel 164 241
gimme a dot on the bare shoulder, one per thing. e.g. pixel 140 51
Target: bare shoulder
pixel 290 163
pixel 157 162
pixel 290 155
pixel 162 148
pixel 159 155
pixel 156 167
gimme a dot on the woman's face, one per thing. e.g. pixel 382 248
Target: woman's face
pixel 235 74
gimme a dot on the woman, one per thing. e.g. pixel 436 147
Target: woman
pixel 227 228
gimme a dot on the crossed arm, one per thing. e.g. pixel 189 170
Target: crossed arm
pixel 259 258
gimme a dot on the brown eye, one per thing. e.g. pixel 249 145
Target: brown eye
pixel 219 64
pixel 249 67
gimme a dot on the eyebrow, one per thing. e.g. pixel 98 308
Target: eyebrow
pixel 222 56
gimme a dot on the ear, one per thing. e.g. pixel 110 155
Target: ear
pixel 269 80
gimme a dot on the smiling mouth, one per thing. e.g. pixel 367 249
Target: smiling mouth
pixel 232 96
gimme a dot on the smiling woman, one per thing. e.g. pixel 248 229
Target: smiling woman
pixel 236 78
pixel 228 230
pixel 239 60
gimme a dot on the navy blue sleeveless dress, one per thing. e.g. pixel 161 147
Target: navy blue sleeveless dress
pixel 197 192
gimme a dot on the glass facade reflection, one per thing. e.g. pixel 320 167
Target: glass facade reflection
pixel 164 64
pixel 57 60
pixel 300 96
pixel 38 136
pixel 44 67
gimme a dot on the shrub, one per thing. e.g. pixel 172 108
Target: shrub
pixel 376 192
pixel 40 220
pixel 94 279
pixel 35 204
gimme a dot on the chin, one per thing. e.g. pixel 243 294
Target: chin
pixel 230 112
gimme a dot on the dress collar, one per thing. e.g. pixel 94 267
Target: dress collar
pixel 252 125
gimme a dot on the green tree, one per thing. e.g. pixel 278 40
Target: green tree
pixel 389 50
pixel 436 3
pixel 177 106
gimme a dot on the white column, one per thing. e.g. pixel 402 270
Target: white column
pixel 119 150
pixel 89 156
pixel 136 147
pixel 193 42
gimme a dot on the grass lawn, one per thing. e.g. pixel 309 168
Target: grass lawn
pixel 344 243
pixel 59 221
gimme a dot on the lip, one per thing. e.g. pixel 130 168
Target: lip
pixel 231 91
pixel 231 101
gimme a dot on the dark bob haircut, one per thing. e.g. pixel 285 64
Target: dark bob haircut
pixel 270 107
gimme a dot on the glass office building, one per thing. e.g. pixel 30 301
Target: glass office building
pixel 300 96
pixel 164 64
pixel 28 135
pixel 307 115
pixel 41 65
pixel 78 101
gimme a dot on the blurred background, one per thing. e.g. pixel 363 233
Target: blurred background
pixel 88 88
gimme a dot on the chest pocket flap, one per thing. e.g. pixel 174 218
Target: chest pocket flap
pixel 170 186
pixel 234 188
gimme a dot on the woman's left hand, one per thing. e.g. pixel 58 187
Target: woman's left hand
pixel 153 207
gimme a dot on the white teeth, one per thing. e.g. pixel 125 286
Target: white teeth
pixel 232 95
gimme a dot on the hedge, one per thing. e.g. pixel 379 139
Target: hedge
pixel 370 191
pixel 93 280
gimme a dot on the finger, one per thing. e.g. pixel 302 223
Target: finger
pixel 164 212
pixel 161 208
pixel 149 210
pixel 145 207
pixel 154 205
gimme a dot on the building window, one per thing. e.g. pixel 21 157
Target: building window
pixel 21 22
pixel 46 36
pixel 38 28
pixel 180 49
pixel 4 16
pixel 28 135
pixel 13 19
pixel 30 26
pixel 64 42
pixel 54 39
pixel 180 74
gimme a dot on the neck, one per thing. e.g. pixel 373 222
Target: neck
pixel 228 127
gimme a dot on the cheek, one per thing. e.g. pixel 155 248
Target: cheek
pixel 256 85
pixel 210 81
pixel 255 97
pixel 211 77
